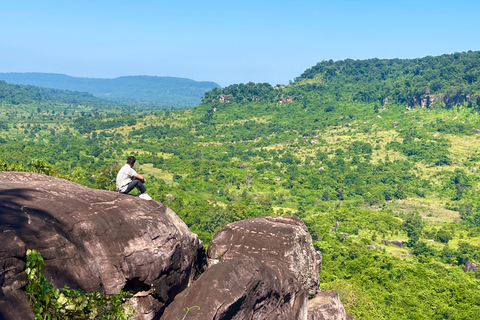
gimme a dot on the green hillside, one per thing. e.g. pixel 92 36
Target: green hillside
pixel 149 91
pixel 442 81
pixel 402 81
pixel 14 94
pixel 390 157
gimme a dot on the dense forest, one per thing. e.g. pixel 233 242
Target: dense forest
pixel 442 81
pixel 145 91
pixel 381 150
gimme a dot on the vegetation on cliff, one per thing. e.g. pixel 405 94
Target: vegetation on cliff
pixel 50 303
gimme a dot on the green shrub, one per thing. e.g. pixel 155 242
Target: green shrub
pixel 50 303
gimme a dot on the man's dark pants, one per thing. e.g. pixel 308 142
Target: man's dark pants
pixel 135 184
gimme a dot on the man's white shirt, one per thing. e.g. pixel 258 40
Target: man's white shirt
pixel 124 177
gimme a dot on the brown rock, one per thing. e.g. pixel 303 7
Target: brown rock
pixel 470 266
pixel 280 242
pixel 397 243
pixel 241 289
pixel 223 99
pixel 326 306
pixel 94 240
pixel 14 305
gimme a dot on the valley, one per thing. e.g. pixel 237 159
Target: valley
pixel 349 145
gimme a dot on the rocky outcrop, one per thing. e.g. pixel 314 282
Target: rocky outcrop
pixel 222 99
pixel 279 242
pixel 470 266
pixel 93 240
pixel 262 268
pixel 285 100
pixel 241 289
pixel 327 306
pixel 397 243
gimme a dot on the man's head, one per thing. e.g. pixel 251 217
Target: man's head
pixel 131 160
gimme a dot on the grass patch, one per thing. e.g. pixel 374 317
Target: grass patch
pixel 431 210
pixel 284 211
pixel 156 172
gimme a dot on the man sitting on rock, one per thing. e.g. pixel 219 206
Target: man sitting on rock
pixel 127 179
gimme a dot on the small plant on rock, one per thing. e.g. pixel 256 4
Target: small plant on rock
pixel 50 303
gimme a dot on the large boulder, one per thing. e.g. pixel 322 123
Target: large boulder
pixel 93 240
pixel 241 289
pixel 279 242
pixel 327 306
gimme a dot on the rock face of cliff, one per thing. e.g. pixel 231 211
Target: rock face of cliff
pixel 93 240
pixel 279 242
pixel 241 289
pixel 327 306
pixel 261 268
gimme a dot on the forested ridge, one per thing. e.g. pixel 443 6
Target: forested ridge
pixel 397 162
pixel 444 81
pixel 15 94
pixel 145 91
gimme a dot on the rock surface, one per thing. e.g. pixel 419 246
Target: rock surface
pixel 93 240
pixel 397 243
pixel 241 289
pixel 327 306
pixel 279 242
pixel 470 266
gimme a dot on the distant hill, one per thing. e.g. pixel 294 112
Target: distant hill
pixel 405 81
pixel 147 90
pixel 16 94
pixel 440 81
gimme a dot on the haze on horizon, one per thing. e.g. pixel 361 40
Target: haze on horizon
pixel 259 41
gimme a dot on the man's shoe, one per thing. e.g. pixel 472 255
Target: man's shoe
pixel 145 196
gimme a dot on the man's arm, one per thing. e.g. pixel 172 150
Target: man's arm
pixel 139 177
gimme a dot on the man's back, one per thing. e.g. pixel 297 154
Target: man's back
pixel 124 177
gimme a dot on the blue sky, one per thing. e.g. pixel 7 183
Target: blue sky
pixel 225 41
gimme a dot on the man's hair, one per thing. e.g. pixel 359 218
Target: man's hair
pixel 131 160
